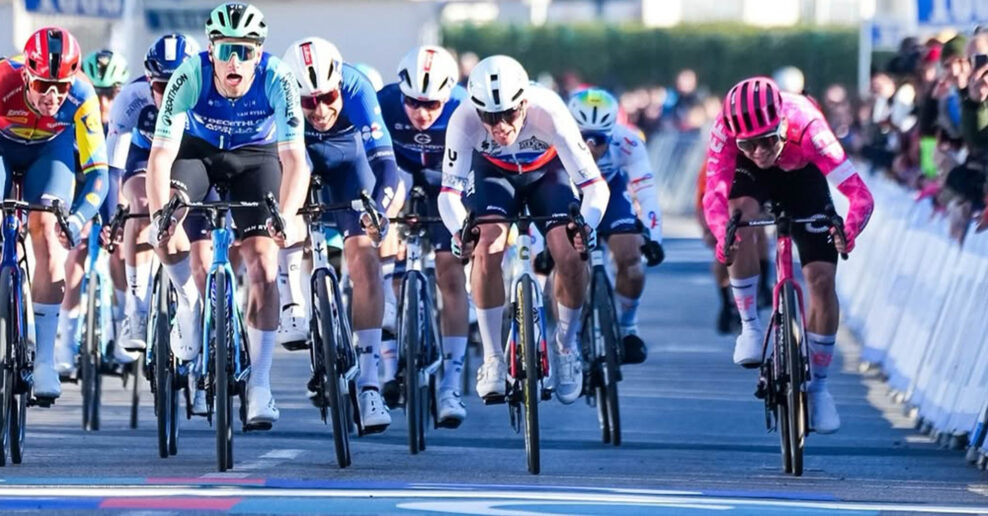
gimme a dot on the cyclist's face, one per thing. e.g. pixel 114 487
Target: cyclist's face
pixel 325 111
pixel 234 64
pixel 505 131
pixel 105 104
pixel 422 114
pixel 46 97
pixel 764 150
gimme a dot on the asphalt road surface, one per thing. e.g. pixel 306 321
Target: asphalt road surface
pixel 694 441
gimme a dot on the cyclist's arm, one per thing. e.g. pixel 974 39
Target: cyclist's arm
pixel 92 159
pixel 284 97
pixel 457 159
pixel 364 111
pixel 722 155
pixel 828 155
pixel 180 96
pixel 642 183
pixel 578 161
pixel 121 126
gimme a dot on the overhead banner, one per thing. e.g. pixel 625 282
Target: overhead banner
pixel 94 8
pixel 959 13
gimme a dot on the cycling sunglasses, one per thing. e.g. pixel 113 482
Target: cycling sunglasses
pixel 223 51
pixel 596 138
pixel 492 119
pixel 110 92
pixel 768 141
pixel 414 103
pixel 313 101
pixel 44 86
pixel 159 86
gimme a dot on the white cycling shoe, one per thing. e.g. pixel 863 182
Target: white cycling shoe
pixel 452 411
pixel 198 396
pixel 135 331
pixel 120 354
pixel 748 347
pixel 186 334
pixel 824 418
pixel 46 382
pixel 260 406
pixel 293 327
pixel 64 358
pixel 570 380
pixel 491 377
pixel 374 416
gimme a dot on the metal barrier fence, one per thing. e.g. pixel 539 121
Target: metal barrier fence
pixel 918 303
pixel 676 158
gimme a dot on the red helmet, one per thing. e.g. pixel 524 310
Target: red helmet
pixel 52 53
pixel 753 107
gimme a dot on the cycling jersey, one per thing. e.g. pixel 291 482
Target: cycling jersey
pixel 269 112
pixel 132 120
pixel 22 127
pixel 416 150
pixel 626 155
pixel 362 112
pixel 548 131
pixel 808 141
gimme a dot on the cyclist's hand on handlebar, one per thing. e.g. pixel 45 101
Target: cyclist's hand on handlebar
pixel 293 231
pixel 728 258
pixel 459 248
pixel 578 243
pixel 367 222
pixel 157 221
pixel 75 226
pixel 653 252
pixel 843 247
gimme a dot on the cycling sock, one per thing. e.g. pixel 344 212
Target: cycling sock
pixel 261 344
pixel 139 283
pixel 119 304
pixel 389 358
pixel 68 327
pixel 567 326
pixel 821 353
pixel 627 313
pixel 367 343
pixel 745 291
pixel 290 276
pixel 390 300
pixel 46 323
pixel 455 347
pixel 181 276
pixel 489 323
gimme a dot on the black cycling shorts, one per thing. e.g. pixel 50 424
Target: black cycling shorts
pixel 801 193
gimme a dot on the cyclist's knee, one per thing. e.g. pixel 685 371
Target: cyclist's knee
pixel 820 279
pixel 261 257
pixel 450 277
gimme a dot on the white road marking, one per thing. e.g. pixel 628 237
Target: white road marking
pixel 267 461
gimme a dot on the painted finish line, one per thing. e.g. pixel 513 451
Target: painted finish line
pixel 280 496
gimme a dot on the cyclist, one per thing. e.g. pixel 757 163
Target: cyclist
pixel 48 112
pixel 788 154
pixel 529 148
pixel 107 71
pixel 622 159
pixel 244 130
pixel 416 111
pixel 349 146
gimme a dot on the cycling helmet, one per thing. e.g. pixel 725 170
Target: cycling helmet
pixel 371 74
pixel 594 110
pixel 52 53
pixel 428 73
pixel 497 84
pixel 237 21
pixel 105 68
pixel 316 64
pixel 167 53
pixel 790 79
pixel 753 107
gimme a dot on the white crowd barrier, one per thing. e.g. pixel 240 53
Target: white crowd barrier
pixel 676 158
pixel 918 303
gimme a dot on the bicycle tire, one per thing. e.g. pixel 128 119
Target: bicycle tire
pixel 90 366
pixel 8 364
pixel 221 363
pixel 795 369
pixel 326 329
pixel 611 370
pixel 135 393
pixel 410 337
pixel 778 383
pixel 161 362
pixel 18 417
pixel 530 365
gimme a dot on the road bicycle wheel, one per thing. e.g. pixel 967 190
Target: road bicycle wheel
pixel 135 393
pixel 605 319
pixel 326 340
pixel 90 358
pixel 795 372
pixel 779 384
pixel 161 359
pixel 221 368
pixel 21 392
pixel 410 339
pixel 7 375
pixel 530 364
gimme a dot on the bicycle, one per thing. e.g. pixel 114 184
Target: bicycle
pixel 224 359
pixel 17 327
pixel 529 377
pixel 783 373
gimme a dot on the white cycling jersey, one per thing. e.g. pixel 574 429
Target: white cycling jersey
pixel 548 131
pixel 132 119
pixel 626 154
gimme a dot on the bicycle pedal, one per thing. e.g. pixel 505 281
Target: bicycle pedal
pixel 450 423
pixel 494 399
pixel 376 429
pixel 43 402
pixel 753 365
pixel 261 426
pixel 296 345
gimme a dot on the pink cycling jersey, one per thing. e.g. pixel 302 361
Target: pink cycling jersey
pixel 809 140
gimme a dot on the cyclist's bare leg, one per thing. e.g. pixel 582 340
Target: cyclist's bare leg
pixel 630 281
pixel 47 285
pixel 744 271
pixel 70 312
pixel 570 287
pixel 823 317
pixel 364 266
pixel 454 317
pixel 488 286
pixel 137 252
pixel 260 254
pixel 201 256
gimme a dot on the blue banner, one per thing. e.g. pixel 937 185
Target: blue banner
pixel 94 8
pixel 952 12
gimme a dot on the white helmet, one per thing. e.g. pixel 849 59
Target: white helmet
pixel 790 79
pixel 428 73
pixel 317 65
pixel 497 84
pixel 594 110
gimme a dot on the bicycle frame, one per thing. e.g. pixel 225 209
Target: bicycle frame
pixel 416 266
pixel 320 262
pixel 521 267
pixel 97 270
pixel 222 238
pixel 10 260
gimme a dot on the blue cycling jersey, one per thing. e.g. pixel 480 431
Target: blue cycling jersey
pixel 416 150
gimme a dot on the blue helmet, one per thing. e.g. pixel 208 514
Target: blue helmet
pixel 166 54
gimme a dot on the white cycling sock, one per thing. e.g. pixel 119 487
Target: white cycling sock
pixel 745 297
pixel 68 327
pixel 367 342
pixel 46 323
pixel 119 304
pixel 290 277
pixel 261 347
pixel 454 348
pixel 389 359
pixel 627 313
pixel 567 327
pixel 185 286
pixel 821 349
pixel 489 321
pixel 139 287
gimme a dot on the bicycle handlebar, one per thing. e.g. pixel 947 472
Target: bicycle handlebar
pixel 56 208
pixel 467 233
pixel 168 210
pixel 115 226
pixel 830 214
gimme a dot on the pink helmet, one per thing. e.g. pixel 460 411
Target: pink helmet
pixel 753 107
